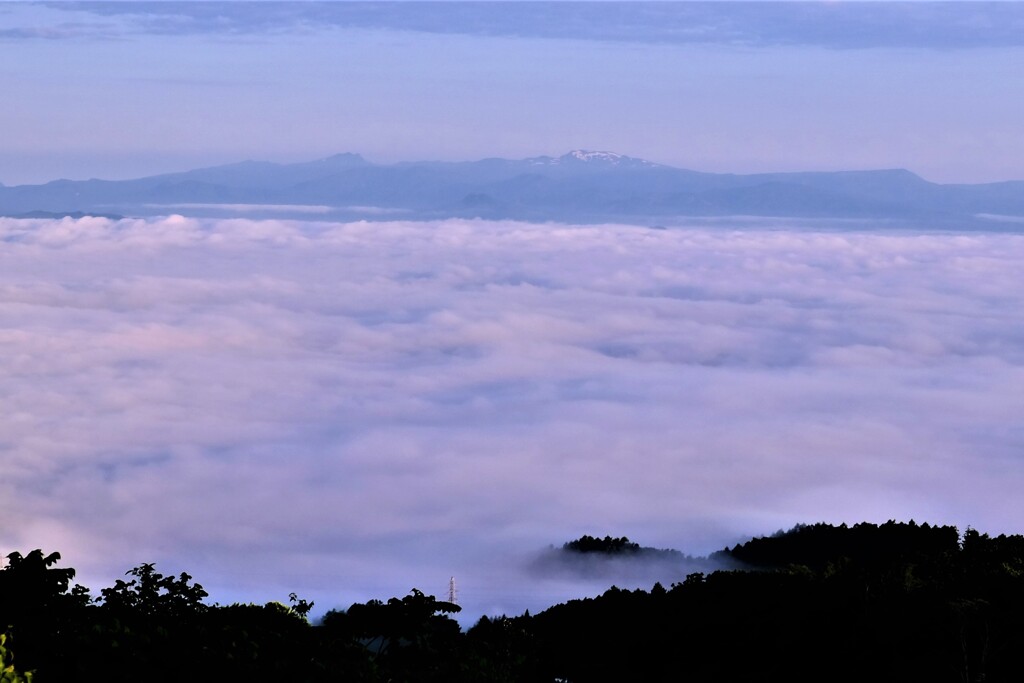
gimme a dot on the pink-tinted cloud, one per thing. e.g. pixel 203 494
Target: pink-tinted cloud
pixel 350 410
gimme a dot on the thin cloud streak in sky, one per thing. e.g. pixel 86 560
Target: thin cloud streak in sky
pixel 942 25
pixel 350 410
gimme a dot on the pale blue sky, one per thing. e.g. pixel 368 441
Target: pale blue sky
pixel 123 89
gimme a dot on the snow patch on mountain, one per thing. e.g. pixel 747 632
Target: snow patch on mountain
pixel 595 158
pixel 588 156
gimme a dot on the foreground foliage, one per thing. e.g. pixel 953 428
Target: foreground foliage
pixel 889 602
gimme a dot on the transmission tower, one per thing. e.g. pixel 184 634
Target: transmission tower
pixel 453 595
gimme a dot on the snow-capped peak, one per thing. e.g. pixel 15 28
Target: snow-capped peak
pixel 588 156
pixel 595 158
pixel 592 158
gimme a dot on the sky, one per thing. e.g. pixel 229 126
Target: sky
pixel 351 410
pixel 124 89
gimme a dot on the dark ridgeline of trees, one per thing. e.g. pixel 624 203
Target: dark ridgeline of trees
pixel 621 547
pixel 815 546
pixel 606 545
pixel 890 602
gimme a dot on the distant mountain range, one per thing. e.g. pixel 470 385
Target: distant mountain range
pixel 580 186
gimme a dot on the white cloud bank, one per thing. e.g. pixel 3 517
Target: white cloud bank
pixel 351 410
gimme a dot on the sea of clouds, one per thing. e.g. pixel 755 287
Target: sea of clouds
pixel 351 410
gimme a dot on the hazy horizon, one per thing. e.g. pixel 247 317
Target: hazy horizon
pixel 553 154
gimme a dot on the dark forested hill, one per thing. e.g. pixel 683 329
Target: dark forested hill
pixel 890 602
pixel 869 602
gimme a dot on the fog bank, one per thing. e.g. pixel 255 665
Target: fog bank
pixel 351 410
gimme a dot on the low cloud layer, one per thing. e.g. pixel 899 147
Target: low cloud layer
pixel 351 410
